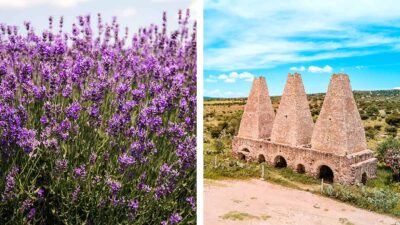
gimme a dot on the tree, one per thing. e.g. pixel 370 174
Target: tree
pixel 390 143
pixel 392 160
pixel 393 120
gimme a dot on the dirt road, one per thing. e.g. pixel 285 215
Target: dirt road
pixel 260 202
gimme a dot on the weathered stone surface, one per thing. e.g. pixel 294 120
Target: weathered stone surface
pixel 293 123
pixel 337 140
pixel 339 128
pixel 258 113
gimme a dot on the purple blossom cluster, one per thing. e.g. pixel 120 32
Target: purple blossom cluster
pixel 98 127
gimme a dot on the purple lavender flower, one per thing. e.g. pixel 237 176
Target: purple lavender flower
pixel 125 160
pixel 75 193
pixel 74 95
pixel 114 186
pixel 40 193
pixel 31 213
pixel 133 204
pixel 10 183
pixel 192 202
pixel 72 112
pixel 175 218
pixel 61 164
pixel 44 120
pixel 165 169
pixel 92 158
pixel 80 171
pixel 27 140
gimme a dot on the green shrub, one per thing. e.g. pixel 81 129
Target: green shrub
pixel 364 116
pixel 392 160
pixel 379 200
pixel 390 143
pixel 378 127
pixel 393 120
pixel 219 146
pixel 215 132
pixel 391 131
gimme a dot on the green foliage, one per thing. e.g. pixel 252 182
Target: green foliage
pixel 376 199
pixel 372 110
pixel 219 146
pixel 364 116
pixel 391 131
pixel 377 127
pixel 392 160
pixel 390 143
pixel 393 120
pixel 370 132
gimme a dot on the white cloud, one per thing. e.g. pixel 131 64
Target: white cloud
pixel 223 94
pixel 278 33
pixel 360 67
pixel 209 80
pixel 294 68
pixel 28 3
pixel 316 69
pixel 126 12
pixel 233 76
pixel 396 88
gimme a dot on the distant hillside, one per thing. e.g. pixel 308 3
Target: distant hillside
pixel 373 95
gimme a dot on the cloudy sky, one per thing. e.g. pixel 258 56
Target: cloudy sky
pixel 133 14
pixel 250 38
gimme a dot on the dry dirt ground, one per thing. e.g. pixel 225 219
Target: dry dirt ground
pixel 260 202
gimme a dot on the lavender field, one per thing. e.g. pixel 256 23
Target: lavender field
pixel 97 125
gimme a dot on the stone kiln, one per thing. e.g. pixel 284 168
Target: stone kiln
pixel 334 148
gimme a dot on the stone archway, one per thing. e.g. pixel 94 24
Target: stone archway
pixel 300 168
pixel 364 178
pixel 326 173
pixel 241 156
pixel 245 150
pixel 280 162
pixel 261 158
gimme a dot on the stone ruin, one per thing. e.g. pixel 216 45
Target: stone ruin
pixel 334 148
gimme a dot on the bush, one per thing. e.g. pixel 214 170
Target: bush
pixel 390 143
pixel 393 120
pixel 219 146
pixel 378 127
pixel 391 131
pixel 370 133
pixel 379 200
pixel 372 111
pixel 215 132
pixel 392 160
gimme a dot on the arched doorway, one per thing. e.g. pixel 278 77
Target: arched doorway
pixel 242 156
pixel 280 162
pixel 300 168
pixel 364 178
pixel 326 173
pixel 245 150
pixel 261 158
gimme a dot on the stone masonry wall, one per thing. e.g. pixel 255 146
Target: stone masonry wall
pixel 344 168
pixel 339 128
pixel 337 140
pixel 293 123
pixel 258 114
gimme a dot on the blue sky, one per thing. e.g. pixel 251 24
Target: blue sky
pixel 133 14
pixel 244 39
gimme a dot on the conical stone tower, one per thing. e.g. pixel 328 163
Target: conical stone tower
pixel 293 123
pixel 258 114
pixel 339 129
